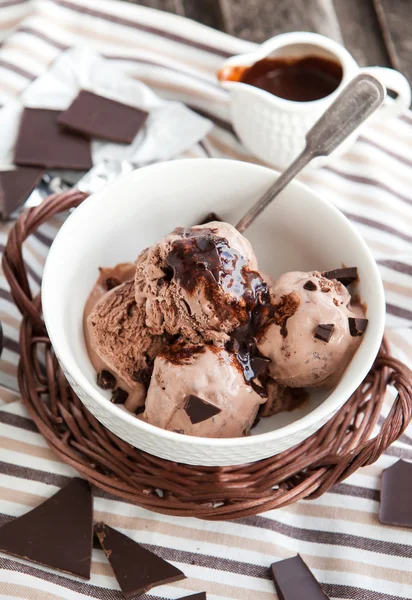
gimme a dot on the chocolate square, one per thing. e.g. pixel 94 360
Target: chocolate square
pixel 16 186
pixel 294 580
pixel 103 118
pixel 396 495
pixel 43 143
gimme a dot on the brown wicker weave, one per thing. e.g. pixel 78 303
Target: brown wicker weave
pixel 306 471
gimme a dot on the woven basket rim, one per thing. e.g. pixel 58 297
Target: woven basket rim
pixel 307 470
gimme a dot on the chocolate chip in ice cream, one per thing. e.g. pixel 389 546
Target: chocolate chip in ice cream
pixel 310 286
pixel 357 326
pixel 324 332
pixel 106 380
pixel 209 218
pixel 345 275
pixel 112 282
pixel 199 410
pixel 284 309
pixel 119 396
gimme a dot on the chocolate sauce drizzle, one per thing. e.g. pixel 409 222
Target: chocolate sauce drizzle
pixel 202 256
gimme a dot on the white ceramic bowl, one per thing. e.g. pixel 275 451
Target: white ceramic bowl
pixel 300 231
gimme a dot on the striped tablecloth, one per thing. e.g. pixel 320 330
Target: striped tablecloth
pixel 338 535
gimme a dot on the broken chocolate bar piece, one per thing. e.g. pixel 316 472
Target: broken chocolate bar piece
pixel 294 580
pixel 136 569
pixel 103 118
pixel 106 380
pixel 199 410
pixel 357 326
pixel 309 285
pixel 42 142
pixel 58 533
pixel 119 396
pixel 396 494
pixel 345 275
pixel 324 332
pixel 16 185
pixel 200 596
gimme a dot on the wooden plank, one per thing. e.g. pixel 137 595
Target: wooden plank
pixel 361 32
pixel 395 20
pixel 208 12
pixel 258 20
pixel 173 6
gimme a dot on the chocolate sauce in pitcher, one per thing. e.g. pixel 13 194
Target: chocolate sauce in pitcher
pixel 300 79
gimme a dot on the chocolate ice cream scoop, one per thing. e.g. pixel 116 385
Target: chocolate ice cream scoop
pixel 119 345
pixel 309 338
pixel 200 390
pixel 199 282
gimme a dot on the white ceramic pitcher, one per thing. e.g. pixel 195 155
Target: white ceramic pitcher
pixel 274 128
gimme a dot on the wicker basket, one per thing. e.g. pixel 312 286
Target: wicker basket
pixel 305 471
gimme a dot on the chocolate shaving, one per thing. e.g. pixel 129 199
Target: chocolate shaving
pixel 199 410
pixel 58 533
pixel 119 396
pixel 136 569
pixel 310 286
pixel 396 494
pixel 284 309
pixel 106 380
pixel 324 332
pixel 345 275
pixel 357 326
pixel 294 580
pixel 112 282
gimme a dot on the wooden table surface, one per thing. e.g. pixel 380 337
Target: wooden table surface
pixel 376 32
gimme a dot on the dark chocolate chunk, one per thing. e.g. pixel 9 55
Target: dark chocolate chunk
pixel 324 332
pixel 209 218
pixel 309 285
pixel 106 380
pixel 136 569
pixel 199 410
pixel 396 494
pixel 16 186
pixel 119 396
pixel 100 117
pixel 357 326
pixel 112 282
pixel 294 580
pixel 200 596
pixel 345 275
pixel 42 142
pixel 58 533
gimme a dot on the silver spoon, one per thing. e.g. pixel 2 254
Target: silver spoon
pixel 359 99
